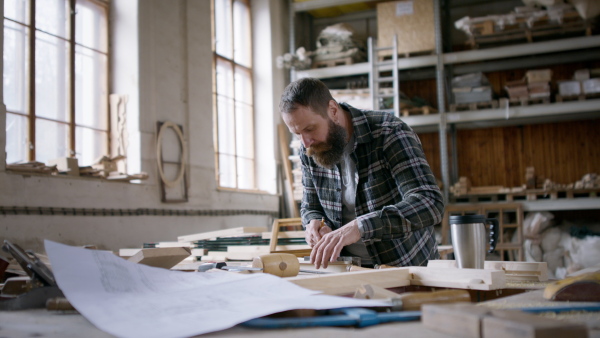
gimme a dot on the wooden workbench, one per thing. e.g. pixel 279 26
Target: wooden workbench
pixel 42 323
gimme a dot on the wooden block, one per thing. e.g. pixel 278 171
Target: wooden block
pixel 241 231
pixel 475 279
pixel 517 324
pixel 460 319
pixel 347 282
pixel 369 291
pixel 161 257
pixel 128 252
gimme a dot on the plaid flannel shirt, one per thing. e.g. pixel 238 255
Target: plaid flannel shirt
pixel 397 199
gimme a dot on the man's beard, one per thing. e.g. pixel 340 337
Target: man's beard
pixel 330 153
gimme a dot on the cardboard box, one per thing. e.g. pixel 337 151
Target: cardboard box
pixel 412 21
pixel 538 89
pixel 517 89
pixel 540 75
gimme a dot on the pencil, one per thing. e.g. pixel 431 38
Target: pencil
pixel 322 222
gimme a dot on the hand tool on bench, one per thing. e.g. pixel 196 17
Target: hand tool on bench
pixel 42 283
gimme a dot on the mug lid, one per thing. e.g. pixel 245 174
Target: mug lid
pixel 467 219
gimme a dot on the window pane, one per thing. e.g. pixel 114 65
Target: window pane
pixel 225 125
pixel 227 171
pixel 51 77
pixel 223 43
pixel 243 85
pixel 16 10
pixel 244 130
pixel 90 25
pixel 224 78
pixel 241 35
pixel 90 88
pixel 16 138
pixel 245 173
pixel 51 16
pixel 15 67
pixel 51 140
pixel 90 145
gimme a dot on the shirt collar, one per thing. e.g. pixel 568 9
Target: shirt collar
pixel 362 131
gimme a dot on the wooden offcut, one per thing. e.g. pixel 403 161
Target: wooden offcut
pixel 161 257
pixel 412 22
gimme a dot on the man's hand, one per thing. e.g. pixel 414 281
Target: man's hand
pixel 314 232
pixel 329 247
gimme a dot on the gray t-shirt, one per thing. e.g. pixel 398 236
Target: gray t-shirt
pixel 349 182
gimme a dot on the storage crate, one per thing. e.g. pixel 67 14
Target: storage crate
pixel 569 88
pixel 591 86
pixel 475 94
pixel 411 21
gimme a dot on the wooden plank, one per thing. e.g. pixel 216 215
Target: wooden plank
pixel 241 231
pixel 160 257
pixel 264 249
pixel 475 279
pixel 347 282
pixel 522 271
pixel 287 165
pixel 284 234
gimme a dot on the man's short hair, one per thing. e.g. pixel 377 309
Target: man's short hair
pixel 307 92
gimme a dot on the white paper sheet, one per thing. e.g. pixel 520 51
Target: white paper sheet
pixel 133 300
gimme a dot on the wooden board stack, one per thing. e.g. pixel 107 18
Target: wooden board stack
pixel 242 243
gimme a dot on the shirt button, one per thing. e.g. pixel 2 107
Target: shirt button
pixel 339 189
pixel 337 219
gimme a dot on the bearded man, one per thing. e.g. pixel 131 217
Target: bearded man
pixel 365 175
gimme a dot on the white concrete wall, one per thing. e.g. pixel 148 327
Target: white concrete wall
pixel 163 62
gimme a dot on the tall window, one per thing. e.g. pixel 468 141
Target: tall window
pixel 234 95
pixel 55 79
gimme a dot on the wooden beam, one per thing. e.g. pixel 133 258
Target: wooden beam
pixel 474 279
pixel 347 282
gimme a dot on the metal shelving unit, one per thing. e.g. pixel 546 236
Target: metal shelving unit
pixel 490 59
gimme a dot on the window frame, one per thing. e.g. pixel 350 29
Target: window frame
pixel 30 111
pixel 250 69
